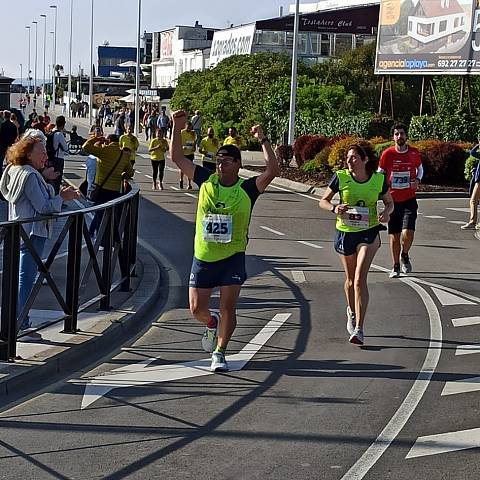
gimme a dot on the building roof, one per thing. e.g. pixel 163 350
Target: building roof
pixel 438 8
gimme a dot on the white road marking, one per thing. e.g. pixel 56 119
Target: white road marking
pixel 446 289
pixel 138 374
pixel 308 244
pixel 137 171
pixel 297 193
pixel 467 349
pixel 175 188
pixel 433 216
pixel 466 385
pixel 271 230
pixel 445 442
pixel 465 321
pixel 463 210
pixel 148 176
pixel 399 420
pixel 447 298
pixel 457 222
pixel 191 195
pixel 298 276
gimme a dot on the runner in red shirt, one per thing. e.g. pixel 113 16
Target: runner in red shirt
pixel 403 169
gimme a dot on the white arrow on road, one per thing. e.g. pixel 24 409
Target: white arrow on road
pixel 140 374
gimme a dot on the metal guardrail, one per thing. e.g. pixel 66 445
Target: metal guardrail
pixel 117 234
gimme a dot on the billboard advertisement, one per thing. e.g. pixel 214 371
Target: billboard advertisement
pixel 233 41
pixel 428 37
pixel 166 44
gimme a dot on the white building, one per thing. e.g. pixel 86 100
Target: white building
pixel 435 19
pixel 323 33
pixel 178 50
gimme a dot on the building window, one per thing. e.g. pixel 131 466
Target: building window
pixel 463 21
pixel 443 26
pixel 425 29
pixel 410 26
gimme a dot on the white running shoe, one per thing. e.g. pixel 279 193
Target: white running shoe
pixel 357 336
pixel 351 321
pixel 209 339
pixel 219 364
pixel 395 273
pixel 468 226
pixel 405 264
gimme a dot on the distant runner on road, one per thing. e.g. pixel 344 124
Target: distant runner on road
pixel 357 236
pixel 225 204
pixel 403 170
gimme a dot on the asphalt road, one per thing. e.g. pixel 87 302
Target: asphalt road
pixel 306 405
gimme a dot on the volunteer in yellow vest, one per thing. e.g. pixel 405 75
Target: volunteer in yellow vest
pixel 208 148
pixel 225 204
pixel 358 224
pixel 157 148
pixel 129 141
pixel 188 147
pixel 234 138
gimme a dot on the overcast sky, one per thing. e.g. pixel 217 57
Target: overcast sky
pixel 115 21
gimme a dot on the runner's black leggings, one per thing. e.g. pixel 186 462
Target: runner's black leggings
pixel 158 167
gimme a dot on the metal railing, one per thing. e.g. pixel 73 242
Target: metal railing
pixel 117 234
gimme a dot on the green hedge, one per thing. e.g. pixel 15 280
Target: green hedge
pixel 449 128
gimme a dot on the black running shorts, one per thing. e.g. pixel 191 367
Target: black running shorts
pixel 229 271
pixel 404 216
pixel 346 243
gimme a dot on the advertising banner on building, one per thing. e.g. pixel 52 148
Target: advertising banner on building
pixel 428 37
pixel 234 41
pixel 166 44
pixel 359 20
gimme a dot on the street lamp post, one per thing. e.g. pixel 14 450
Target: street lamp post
pixel 137 75
pixel 54 80
pixel 293 89
pixel 90 84
pixel 21 81
pixel 70 61
pixel 29 69
pixel 51 73
pixel 35 63
pixel 44 52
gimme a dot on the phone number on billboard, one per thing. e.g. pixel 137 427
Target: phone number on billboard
pixel 458 63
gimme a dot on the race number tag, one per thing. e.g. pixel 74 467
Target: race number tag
pixel 188 144
pixel 356 217
pixel 400 180
pixel 217 228
pixel 209 155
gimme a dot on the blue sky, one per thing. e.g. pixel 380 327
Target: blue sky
pixel 115 21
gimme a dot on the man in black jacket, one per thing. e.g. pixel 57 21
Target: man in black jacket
pixel 8 135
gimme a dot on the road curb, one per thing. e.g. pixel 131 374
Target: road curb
pixel 112 328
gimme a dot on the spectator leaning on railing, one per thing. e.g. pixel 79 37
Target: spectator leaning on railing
pixel 112 164
pixel 28 196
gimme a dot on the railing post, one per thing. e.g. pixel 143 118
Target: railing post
pixel 107 243
pixel 134 224
pixel 8 322
pixel 73 273
pixel 126 244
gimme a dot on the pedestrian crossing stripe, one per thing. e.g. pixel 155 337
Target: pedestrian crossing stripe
pixel 465 385
pixel 445 443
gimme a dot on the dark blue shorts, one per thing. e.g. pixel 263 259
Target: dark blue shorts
pixel 229 271
pixel 346 243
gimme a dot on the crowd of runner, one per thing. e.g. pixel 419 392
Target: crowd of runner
pixel 226 201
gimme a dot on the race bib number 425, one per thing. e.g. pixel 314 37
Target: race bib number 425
pixel 400 180
pixel 217 228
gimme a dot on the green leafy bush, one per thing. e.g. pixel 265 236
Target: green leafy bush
pixel 422 128
pixel 470 165
pixel 338 153
pixel 380 147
